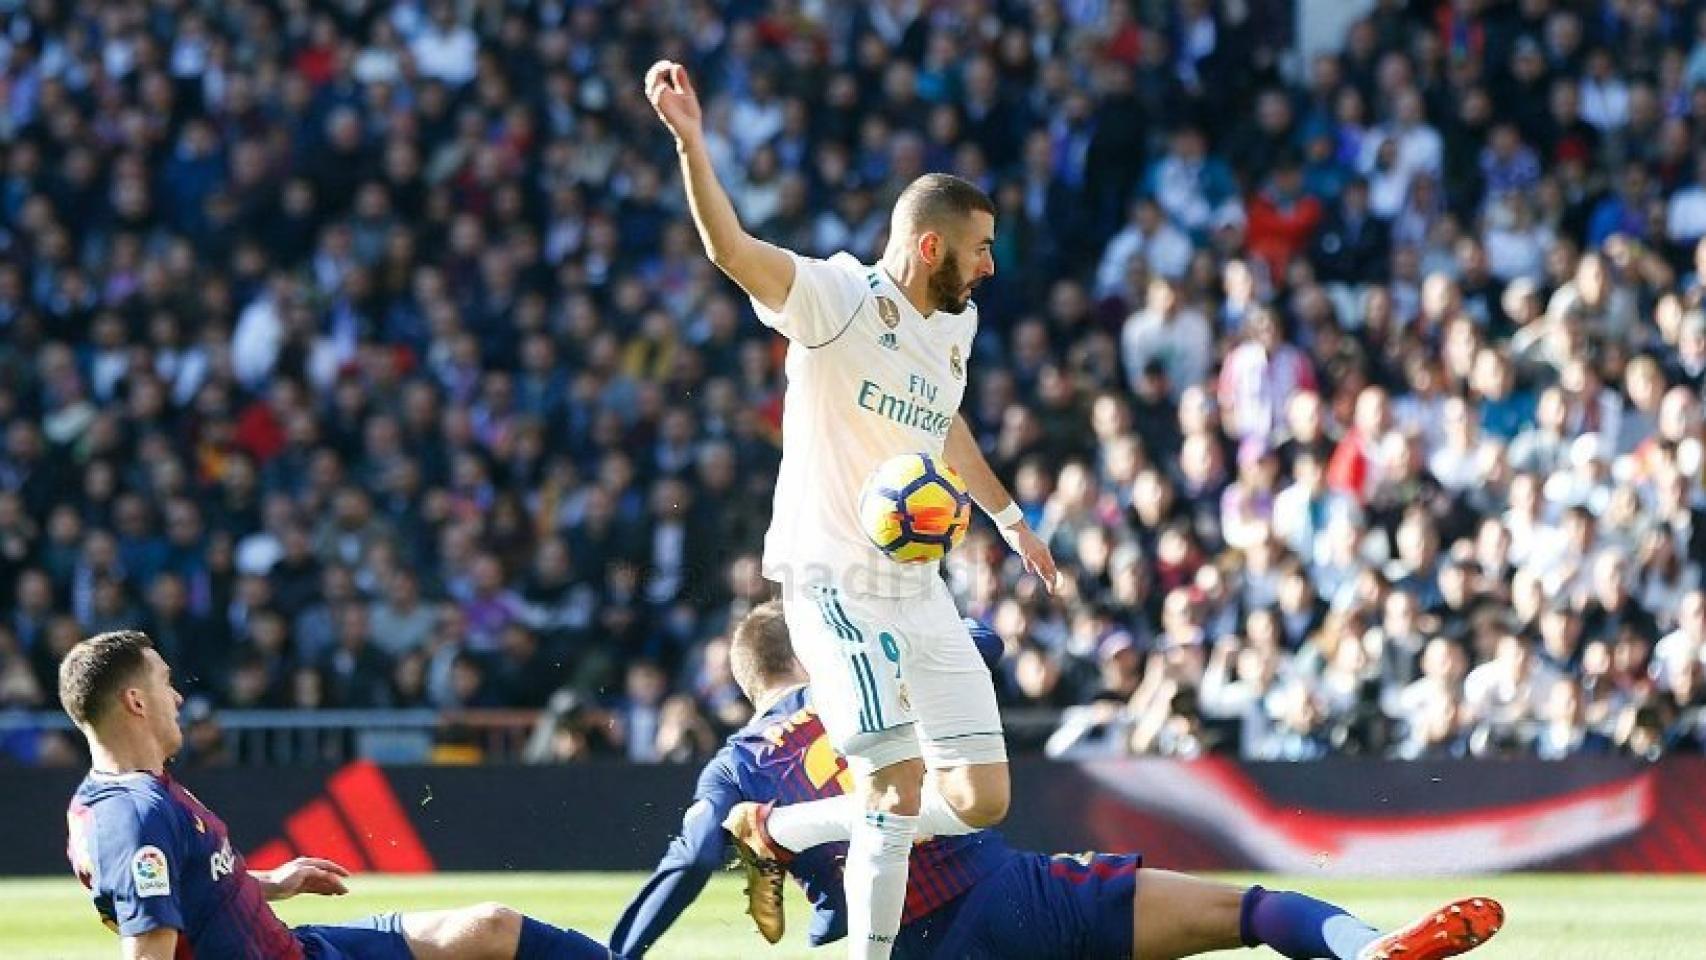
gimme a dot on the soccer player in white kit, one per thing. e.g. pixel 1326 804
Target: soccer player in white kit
pixel 876 367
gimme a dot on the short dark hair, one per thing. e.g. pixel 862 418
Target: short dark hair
pixel 96 669
pixel 937 198
pixel 760 651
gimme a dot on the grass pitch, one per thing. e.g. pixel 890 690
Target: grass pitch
pixel 1549 917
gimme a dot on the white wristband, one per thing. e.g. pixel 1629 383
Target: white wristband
pixel 1008 516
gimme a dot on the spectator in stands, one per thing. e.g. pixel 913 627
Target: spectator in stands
pixel 1259 376
pixel 355 673
pixel 1149 237
pixel 637 717
pixel 401 621
pixel 684 734
pixel 1299 733
pixel 1192 186
pixel 1507 691
pixel 1282 219
pixel 205 743
pixel 18 686
pixel 1173 334
pixel 568 730
pixel 1564 732
pixel 490 607
pixel 1685 702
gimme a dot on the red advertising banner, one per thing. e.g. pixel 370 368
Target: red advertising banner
pixel 1219 815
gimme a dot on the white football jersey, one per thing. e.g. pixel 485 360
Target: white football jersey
pixel 868 379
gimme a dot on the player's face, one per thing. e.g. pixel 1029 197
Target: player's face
pixel 967 258
pixel 163 701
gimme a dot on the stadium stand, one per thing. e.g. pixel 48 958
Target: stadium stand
pixel 360 352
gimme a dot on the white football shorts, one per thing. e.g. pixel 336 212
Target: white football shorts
pixel 880 666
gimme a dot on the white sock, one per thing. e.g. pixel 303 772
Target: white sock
pixel 1346 936
pixel 875 880
pixel 801 826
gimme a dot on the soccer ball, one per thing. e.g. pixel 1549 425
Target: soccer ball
pixel 915 508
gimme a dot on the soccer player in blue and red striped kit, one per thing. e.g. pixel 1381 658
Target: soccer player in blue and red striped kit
pixel 970 896
pixel 163 873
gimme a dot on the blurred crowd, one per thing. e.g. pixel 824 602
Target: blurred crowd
pixel 362 353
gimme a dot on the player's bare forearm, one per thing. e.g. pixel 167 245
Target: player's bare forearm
pixel 985 487
pixel 154 945
pixel 762 269
pixel 967 459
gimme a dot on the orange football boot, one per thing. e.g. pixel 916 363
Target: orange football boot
pixel 1453 929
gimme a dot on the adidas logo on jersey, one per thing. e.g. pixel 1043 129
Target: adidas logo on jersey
pixel 889 341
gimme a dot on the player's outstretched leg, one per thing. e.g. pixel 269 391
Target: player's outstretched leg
pixel 751 825
pixel 955 802
pixel 1300 926
pixel 1177 915
pixel 492 931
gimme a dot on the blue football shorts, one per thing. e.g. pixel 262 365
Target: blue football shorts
pixel 1037 907
pixel 379 937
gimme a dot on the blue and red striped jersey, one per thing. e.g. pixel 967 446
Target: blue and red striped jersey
pixel 784 756
pixel 790 758
pixel 153 857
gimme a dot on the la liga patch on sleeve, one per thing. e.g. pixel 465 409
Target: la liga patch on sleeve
pixel 148 872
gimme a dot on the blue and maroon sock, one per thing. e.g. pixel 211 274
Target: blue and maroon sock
pixel 541 941
pixel 1302 928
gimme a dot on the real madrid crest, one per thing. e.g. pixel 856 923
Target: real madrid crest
pixel 889 313
pixel 956 363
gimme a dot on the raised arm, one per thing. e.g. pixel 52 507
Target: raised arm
pixel 985 487
pixel 763 270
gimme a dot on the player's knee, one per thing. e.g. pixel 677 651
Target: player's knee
pixel 898 788
pixel 980 795
pixel 492 929
pixel 986 807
